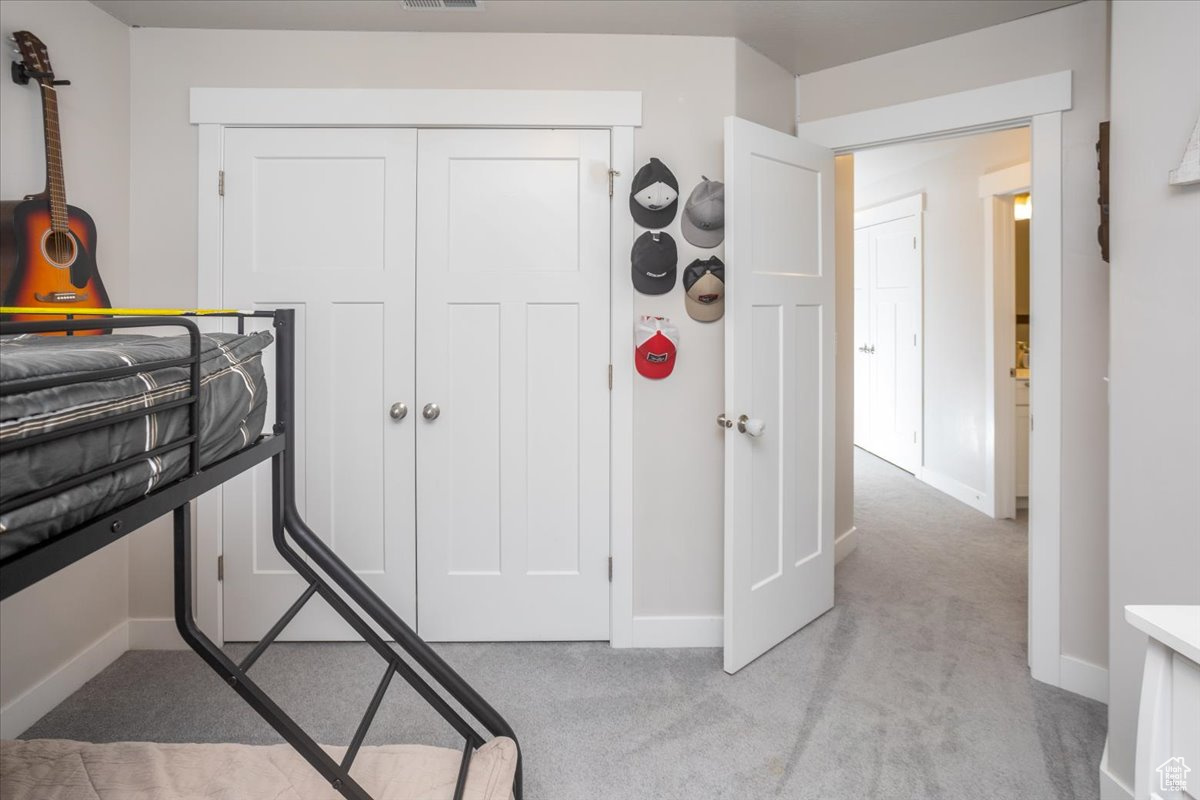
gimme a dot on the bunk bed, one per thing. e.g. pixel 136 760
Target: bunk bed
pixel 102 434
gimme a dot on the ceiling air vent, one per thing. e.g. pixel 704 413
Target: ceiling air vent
pixel 443 5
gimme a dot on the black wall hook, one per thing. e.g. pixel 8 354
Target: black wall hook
pixel 22 74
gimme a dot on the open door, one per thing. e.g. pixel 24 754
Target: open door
pixel 779 382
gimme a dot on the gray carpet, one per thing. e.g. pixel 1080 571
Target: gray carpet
pixel 914 686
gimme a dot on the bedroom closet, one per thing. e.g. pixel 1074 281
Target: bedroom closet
pixel 451 289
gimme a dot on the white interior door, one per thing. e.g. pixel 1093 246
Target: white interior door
pixel 862 340
pixel 323 221
pixel 512 313
pixel 779 370
pixel 887 392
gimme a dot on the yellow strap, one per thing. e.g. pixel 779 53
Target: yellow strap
pixel 119 312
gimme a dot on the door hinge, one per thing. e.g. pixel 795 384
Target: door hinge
pixel 1031 422
pixel 612 173
pixel 610 569
pixel 221 567
pixel 610 377
pixel 221 183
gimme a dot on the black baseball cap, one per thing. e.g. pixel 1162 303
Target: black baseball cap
pixel 654 195
pixel 654 258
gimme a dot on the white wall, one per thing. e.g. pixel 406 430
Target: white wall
pixel 843 431
pixel 765 92
pixel 1074 38
pixel 688 86
pixel 1154 545
pixel 47 625
pixel 948 173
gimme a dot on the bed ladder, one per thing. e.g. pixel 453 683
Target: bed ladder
pixel 288 527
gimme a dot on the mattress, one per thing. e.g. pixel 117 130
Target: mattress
pixel 47 769
pixel 233 404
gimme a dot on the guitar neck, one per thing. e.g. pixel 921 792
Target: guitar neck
pixel 55 185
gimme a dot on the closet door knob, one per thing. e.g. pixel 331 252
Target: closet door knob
pixel 398 411
pixel 431 411
pixel 724 421
pixel 751 427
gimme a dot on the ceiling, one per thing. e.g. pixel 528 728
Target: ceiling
pixel 801 35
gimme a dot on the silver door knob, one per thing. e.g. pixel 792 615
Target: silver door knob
pixel 431 411
pixel 751 427
pixel 724 421
pixel 398 411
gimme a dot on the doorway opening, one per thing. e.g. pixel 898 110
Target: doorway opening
pixel 1022 214
pixel 928 312
pixel 1007 223
pixel 941 307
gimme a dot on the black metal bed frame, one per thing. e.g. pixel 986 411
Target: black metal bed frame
pixel 289 532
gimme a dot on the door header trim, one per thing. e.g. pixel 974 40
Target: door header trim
pixel 458 108
pixel 1003 105
pixel 910 206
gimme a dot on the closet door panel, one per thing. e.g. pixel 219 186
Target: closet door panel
pixel 512 348
pixel 324 221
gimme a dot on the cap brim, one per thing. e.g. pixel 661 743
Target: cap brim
pixel 699 236
pixel 701 312
pixel 654 220
pixel 647 285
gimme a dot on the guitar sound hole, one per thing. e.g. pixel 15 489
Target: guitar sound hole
pixel 59 248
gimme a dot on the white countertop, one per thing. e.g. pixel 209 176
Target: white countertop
pixel 1178 627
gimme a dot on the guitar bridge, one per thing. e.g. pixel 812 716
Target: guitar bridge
pixel 61 297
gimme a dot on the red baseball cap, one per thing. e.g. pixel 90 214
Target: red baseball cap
pixel 657 342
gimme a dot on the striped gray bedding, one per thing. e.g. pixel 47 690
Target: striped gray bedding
pixel 233 402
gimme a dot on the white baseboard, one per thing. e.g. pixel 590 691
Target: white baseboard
pixel 845 543
pixel 150 633
pixel 975 498
pixel 678 631
pixel 33 704
pixel 1111 787
pixel 1083 677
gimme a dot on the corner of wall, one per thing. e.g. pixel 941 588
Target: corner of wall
pixel 764 91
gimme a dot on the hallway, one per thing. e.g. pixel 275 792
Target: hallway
pixel 913 686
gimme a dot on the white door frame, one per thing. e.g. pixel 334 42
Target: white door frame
pixel 213 110
pixel 1038 103
pixel 995 191
pixel 911 206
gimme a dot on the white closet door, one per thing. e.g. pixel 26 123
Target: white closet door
pixel 512 337
pixel 862 340
pixel 779 370
pixel 890 399
pixel 323 221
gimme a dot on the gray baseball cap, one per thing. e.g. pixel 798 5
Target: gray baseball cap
pixel 703 221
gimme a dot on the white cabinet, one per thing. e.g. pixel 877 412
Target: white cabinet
pixel 1168 737
pixel 1022 434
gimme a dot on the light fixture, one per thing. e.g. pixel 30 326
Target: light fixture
pixel 1022 206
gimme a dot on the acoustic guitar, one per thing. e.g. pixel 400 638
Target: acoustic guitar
pixel 47 248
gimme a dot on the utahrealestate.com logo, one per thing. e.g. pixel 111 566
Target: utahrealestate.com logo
pixel 1172 775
